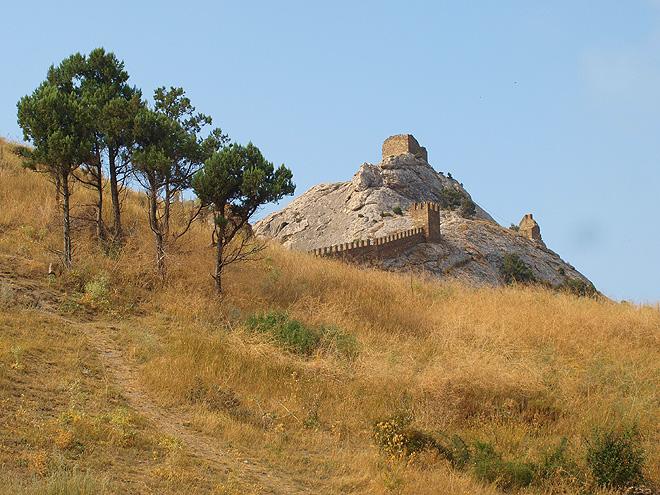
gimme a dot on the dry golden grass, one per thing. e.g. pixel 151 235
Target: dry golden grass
pixel 521 368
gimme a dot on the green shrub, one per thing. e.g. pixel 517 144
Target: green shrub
pixel 514 227
pixel 579 287
pixel 557 463
pixel 515 270
pixel 615 458
pixel 97 292
pixel 397 210
pixel 468 208
pixel 298 338
pixel 489 466
pixel 450 198
pixel 459 452
pixel 290 334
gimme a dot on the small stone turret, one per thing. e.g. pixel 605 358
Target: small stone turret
pixel 530 229
pixel 403 143
pixel 426 215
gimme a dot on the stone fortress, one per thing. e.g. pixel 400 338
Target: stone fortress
pixel 401 144
pixel 401 214
pixel 425 216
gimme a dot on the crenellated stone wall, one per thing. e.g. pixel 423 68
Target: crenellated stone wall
pixel 374 249
pixel 427 217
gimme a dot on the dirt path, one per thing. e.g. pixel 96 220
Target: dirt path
pixel 125 377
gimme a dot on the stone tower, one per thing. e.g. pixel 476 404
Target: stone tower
pixel 427 216
pixel 530 229
pixel 403 143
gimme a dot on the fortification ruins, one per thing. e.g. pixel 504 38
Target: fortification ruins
pixel 530 229
pixel 426 217
pixel 388 198
pixel 403 143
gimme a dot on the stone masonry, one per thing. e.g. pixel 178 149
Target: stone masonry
pixel 403 143
pixel 530 229
pixel 426 216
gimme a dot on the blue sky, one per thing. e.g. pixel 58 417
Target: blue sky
pixel 544 107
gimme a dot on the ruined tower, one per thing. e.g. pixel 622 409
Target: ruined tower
pixel 427 216
pixel 403 143
pixel 530 229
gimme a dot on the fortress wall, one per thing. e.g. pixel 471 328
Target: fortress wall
pixel 372 249
pixel 426 216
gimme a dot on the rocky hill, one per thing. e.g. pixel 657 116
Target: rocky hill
pixel 375 203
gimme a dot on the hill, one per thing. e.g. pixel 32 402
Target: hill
pixel 308 376
pixel 375 203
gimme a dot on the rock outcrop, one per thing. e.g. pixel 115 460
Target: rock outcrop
pixel 375 203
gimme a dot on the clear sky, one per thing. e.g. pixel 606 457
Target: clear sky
pixel 544 107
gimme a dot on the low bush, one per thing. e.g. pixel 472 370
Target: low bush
pixel 556 463
pixel 397 440
pixel 451 198
pixel 290 334
pixel 489 466
pixel 397 210
pixel 468 208
pixel 97 292
pixel 615 457
pixel 298 338
pixel 516 270
pixel 579 287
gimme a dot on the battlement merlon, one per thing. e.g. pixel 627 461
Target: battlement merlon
pixel 426 215
pixel 403 143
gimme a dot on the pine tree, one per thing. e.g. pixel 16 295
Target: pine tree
pixel 235 182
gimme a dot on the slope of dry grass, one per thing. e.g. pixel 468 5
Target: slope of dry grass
pixel 520 368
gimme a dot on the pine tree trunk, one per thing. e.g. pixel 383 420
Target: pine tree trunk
pixel 58 189
pixel 218 261
pixel 156 227
pixel 114 193
pixel 67 221
pixel 160 256
pixel 166 210
pixel 100 231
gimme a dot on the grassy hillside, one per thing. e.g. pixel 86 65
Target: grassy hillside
pixel 308 376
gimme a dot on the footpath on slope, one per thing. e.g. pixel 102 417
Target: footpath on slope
pixel 125 376
pixel 174 424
